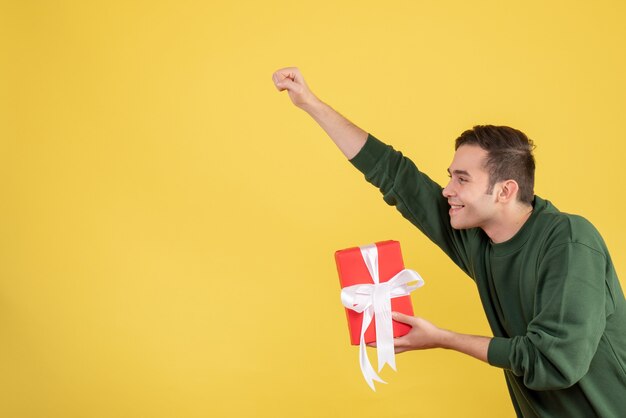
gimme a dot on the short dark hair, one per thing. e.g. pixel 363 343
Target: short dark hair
pixel 509 156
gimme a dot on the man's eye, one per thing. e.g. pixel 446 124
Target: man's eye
pixel 462 180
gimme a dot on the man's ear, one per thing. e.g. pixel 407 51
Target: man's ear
pixel 508 191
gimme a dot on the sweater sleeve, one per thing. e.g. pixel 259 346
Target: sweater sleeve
pixel 418 198
pixel 568 322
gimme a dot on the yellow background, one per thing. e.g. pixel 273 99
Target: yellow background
pixel 168 219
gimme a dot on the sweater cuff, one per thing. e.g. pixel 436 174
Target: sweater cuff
pixel 498 352
pixel 369 155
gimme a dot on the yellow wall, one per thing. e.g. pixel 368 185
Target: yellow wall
pixel 168 220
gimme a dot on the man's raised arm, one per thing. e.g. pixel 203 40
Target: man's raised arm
pixel 350 139
pixel 347 136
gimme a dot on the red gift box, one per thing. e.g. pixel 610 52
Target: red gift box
pixel 352 270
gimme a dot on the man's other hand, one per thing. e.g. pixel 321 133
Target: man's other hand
pixel 423 334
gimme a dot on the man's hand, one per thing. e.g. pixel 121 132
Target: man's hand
pixel 291 79
pixel 424 335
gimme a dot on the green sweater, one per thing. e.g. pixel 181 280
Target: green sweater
pixel 550 293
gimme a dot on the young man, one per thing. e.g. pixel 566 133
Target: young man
pixel 545 278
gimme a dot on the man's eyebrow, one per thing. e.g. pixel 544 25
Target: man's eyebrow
pixel 460 173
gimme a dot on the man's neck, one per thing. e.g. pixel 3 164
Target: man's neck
pixel 509 224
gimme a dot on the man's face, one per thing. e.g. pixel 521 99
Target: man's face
pixel 470 205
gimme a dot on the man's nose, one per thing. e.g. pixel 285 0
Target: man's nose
pixel 447 191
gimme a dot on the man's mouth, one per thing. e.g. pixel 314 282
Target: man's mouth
pixel 455 208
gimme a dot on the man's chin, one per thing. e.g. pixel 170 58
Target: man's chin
pixel 458 225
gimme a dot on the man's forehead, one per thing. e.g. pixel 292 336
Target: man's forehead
pixel 469 159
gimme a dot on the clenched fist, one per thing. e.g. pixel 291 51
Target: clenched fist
pixel 291 79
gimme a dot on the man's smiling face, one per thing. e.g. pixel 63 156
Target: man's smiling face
pixel 470 205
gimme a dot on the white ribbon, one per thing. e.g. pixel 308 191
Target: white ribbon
pixel 371 299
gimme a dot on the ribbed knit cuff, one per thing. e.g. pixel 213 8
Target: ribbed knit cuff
pixel 369 155
pixel 498 352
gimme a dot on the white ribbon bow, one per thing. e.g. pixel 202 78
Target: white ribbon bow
pixel 371 299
